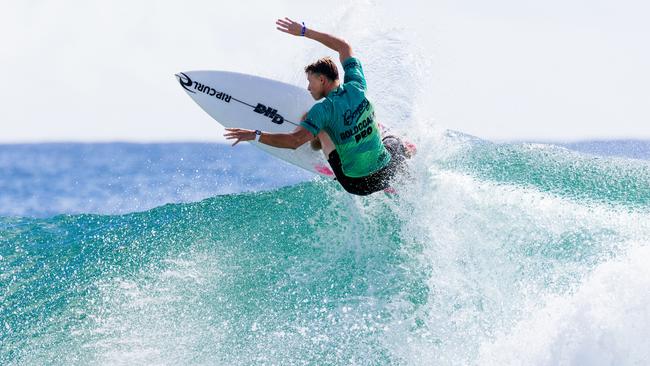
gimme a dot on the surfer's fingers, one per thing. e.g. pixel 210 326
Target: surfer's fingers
pixel 237 139
pixel 289 26
pixel 232 135
pixel 282 23
pixel 284 27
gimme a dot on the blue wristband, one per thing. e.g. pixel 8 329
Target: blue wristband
pixel 303 30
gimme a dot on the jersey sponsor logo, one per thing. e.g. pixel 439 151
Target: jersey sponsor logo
pixel 350 117
pixel 187 83
pixel 269 112
pixel 363 134
pixel 362 130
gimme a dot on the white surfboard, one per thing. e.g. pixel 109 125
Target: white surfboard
pixel 256 103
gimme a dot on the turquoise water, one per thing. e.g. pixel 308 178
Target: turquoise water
pixel 493 254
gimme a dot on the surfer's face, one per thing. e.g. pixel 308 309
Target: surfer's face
pixel 316 85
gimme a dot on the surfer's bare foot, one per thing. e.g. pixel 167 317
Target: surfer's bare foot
pixel 409 149
pixel 315 144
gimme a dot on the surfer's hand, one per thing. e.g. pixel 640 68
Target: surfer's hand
pixel 287 25
pixel 239 134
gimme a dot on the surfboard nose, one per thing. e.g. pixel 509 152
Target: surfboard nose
pixel 185 81
pixel 182 75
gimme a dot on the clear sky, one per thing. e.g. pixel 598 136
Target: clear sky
pixel 79 70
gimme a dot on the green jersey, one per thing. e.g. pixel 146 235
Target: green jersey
pixel 349 119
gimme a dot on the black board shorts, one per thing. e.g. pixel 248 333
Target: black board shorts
pixel 376 181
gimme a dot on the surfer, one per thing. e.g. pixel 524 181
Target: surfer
pixel 342 124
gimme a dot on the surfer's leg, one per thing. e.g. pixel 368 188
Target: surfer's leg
pixel 404 148
pixel 326 143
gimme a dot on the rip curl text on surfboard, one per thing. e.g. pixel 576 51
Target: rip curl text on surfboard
pixel 212 92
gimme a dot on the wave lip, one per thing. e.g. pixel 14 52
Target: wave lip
pixel 554 169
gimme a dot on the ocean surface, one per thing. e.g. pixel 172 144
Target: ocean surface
pixel 202 254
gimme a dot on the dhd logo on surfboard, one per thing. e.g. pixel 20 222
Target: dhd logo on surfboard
pixel 270 112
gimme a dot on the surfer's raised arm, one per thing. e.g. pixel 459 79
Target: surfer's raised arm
pixel 287 25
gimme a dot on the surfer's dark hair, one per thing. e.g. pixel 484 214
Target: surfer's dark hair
pixel 325 66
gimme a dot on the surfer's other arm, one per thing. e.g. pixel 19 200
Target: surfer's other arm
pixel 292 140
pixel 287 25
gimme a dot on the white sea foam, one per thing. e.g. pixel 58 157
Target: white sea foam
pixel 494 253
pixel 605 322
